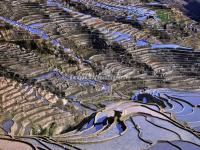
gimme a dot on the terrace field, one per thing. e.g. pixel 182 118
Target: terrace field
pixel 99 74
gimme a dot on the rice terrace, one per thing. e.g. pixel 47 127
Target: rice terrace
pixel 99 75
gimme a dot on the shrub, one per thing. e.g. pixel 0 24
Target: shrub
pixel 52 128
pixel 164 16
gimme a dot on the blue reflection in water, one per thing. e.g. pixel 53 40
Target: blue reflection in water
pixel 145 100
pixel 99 127
pixel 101 119
pixel 78 79
pixel 7 124
pixel 170 46
pixel 120 128
pixel 141 42
pixel 121 36
pixel 88 125
pixel 141 13
pixel 45 76
pixel 39 33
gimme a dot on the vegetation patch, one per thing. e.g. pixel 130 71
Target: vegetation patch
pixel 48 131
pixel 164 15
